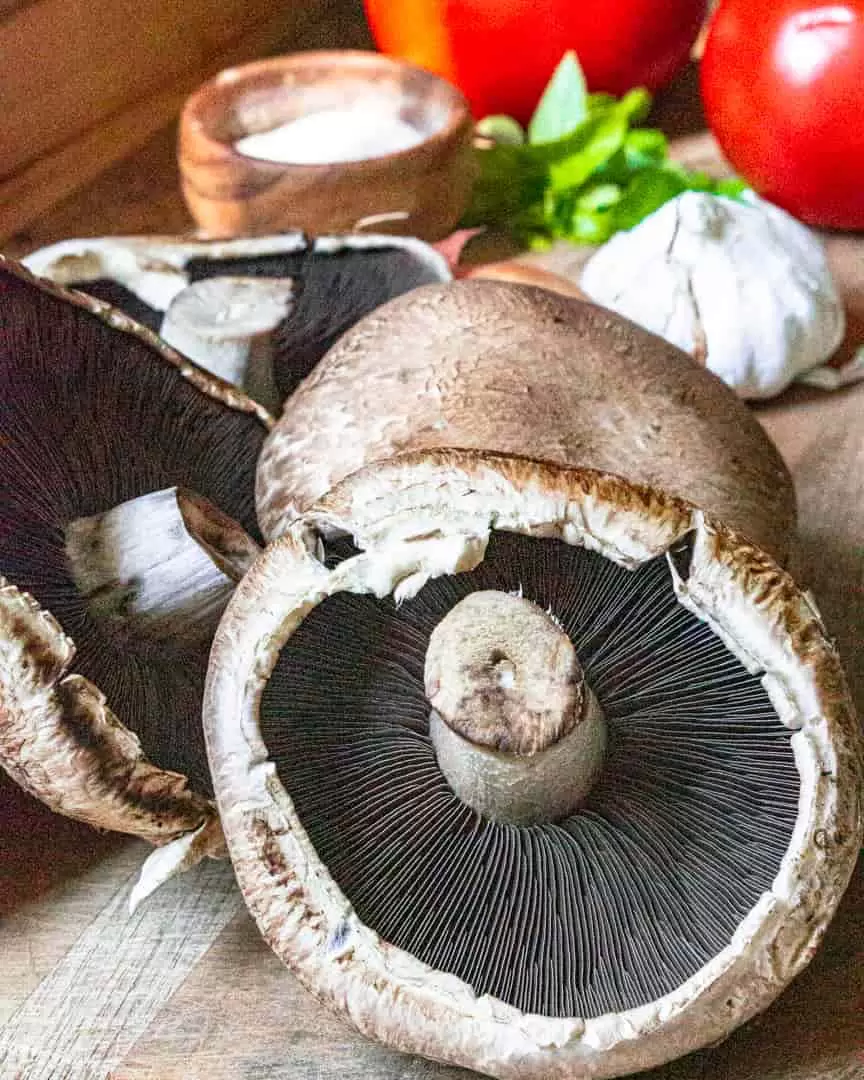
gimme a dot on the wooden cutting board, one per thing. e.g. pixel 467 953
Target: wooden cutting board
pixel 186 990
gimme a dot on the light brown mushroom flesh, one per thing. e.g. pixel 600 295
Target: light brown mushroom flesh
pixel 517 731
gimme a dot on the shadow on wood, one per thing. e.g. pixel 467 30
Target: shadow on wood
pixel 40 849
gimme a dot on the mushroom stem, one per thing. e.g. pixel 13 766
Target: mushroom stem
pixel 227 325
pixel 518 734
pixel 163 564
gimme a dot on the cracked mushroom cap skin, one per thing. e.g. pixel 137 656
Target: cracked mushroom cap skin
pixel 336 279
pixel 691 884
pixel 515 369
pixel 95 411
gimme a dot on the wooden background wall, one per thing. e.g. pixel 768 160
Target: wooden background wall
pixel 85 82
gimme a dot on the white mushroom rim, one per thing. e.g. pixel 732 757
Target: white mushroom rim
pixel 428 515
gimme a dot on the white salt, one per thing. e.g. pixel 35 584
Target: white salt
pixel 351 134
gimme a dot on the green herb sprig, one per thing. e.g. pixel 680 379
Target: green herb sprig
pixel 582 171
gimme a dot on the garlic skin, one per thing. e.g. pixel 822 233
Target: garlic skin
pixel 741 286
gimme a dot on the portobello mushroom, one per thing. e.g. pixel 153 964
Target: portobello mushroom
pixel 372 718
pixel 821 436
pixel 310 291
pixel 497 366
pixel 126 517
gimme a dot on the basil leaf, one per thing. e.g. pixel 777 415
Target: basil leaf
pixel 602 138
pixel 693 181
pixel 646 192
pixel 564 104
pixel 645 146
pixel 510 179
pixel 732 188
pixel 600 196
pixel 599 101
pixel 581 219
pixel 501 129
pixel 635 105
pixel 584 172
pixel 592 145
pixel 540 242
pixel 596 142
pixel 531 228
pixel 590 227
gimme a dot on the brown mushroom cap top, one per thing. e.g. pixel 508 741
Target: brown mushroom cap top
pixel 516 369
pixel 822 438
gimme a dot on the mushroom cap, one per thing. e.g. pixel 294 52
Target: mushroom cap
pixel 822 438
pixel 494 366
pixel 95 411
pixel 337 279
pixel 371 882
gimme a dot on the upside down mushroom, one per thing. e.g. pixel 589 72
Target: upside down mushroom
pixel 126 519
pixel 496 366
pixel 259 311
pixel 542 773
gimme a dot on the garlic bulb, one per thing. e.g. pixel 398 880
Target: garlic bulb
pixel 742 286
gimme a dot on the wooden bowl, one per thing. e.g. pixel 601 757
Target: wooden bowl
pixel 424 188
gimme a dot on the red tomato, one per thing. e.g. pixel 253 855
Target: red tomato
pixel 501 53
pixel 783 86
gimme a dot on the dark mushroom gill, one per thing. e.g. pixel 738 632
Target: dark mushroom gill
pixel 112 292
pixel 334 290
pixel 608 909
pixel 90 417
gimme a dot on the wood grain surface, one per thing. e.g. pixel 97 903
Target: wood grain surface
pixel 85 1014
pixel 9 7
pixel 72 107
pixel 187 990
